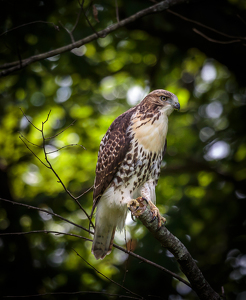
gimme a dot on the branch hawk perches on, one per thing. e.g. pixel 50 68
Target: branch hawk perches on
pixel 129 161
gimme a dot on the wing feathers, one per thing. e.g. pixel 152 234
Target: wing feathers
pixel 112 151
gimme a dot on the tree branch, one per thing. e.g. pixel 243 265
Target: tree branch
pixel 14 66
pixel 180 252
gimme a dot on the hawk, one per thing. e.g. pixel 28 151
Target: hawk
pixel 129 161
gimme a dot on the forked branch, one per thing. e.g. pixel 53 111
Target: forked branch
pixel 47 162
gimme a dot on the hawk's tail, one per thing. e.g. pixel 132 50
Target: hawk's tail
pixel 103 240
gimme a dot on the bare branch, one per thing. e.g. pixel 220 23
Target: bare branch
pixel 163 5
pixel 180 252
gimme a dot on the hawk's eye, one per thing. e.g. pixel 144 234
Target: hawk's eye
pixel 163 98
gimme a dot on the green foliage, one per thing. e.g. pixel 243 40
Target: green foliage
pixel 201 191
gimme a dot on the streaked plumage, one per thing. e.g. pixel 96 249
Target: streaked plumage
pixel 128 165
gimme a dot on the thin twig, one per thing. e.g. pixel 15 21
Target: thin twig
pixel 127 261
pixel 213 40
pixel 70 145
pixel 29 120
pixel 117 11
pixel 47 119
pixel 52 137
pixel 17 27
pixel 46 232
pixel 47 212
pixel 18 54
pixel 223 293
pixel 87 19
pixel 116 283
pixel 33 152
pixel 68 31
pixel 205 26
pixel 23 137
pixel 241 19
pixel 85 192
pixel 77 20
pixel 73 293
pixel 152 264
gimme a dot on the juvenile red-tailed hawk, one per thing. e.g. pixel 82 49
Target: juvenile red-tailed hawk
pixel 128 166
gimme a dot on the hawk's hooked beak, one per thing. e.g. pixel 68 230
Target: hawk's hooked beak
pixel 176 105
pixel 174 102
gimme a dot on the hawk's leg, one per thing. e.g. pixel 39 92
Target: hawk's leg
pixel 147 191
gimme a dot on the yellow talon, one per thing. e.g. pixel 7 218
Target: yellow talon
pixel 136 206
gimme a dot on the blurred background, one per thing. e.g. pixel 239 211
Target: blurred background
pixel 198 53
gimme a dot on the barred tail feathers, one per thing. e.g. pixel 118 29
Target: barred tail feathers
pixel 103 240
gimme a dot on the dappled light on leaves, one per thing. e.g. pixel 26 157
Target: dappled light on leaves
pixel 201 191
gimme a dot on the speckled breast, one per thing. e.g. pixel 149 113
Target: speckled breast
pixel 138 167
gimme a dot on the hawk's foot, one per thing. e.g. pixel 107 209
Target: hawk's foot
pixel 137 206
pixel 156 214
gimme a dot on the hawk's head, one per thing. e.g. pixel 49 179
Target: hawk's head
pixel 164 100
